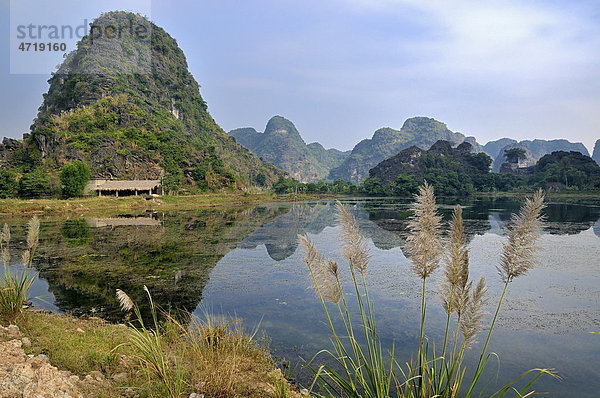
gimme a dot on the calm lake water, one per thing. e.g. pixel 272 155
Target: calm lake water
pixel 245 262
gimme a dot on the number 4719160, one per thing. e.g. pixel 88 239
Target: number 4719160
pixel 43 46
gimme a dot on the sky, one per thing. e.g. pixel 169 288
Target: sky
pixel 340 69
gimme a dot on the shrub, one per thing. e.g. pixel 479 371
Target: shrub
pixel 74 177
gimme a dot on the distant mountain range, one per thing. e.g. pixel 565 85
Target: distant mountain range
pixel 282 145
pixel 421 132
pixel 534 149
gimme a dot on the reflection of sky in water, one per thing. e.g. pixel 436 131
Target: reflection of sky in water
pixel 39 293
pixel 545 321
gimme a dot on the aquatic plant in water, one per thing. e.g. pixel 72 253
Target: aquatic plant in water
pixel 361 368
pixel 14 286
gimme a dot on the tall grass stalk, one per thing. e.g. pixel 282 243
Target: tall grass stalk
pixel 362 368
pixel 14 286
pixel 367 371
pixel 149 350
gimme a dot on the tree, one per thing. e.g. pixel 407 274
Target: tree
pixel 284 185
pixel 8 184
pixel 513 155
pixel 405 185
pixel 171 183
pixel 261 179
pixel 34 184
pixel 73 178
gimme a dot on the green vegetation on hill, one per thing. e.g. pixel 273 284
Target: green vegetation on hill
pixel 386 142
pixel 452 171
pixel 130 109
pixel 457 171
pixel 569 170
pixel 282 145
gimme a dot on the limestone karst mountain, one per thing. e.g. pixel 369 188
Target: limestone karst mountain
pixel 596 153
pixel 129 107
pixel 282 145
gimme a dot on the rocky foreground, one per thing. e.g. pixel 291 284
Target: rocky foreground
pixel 23 375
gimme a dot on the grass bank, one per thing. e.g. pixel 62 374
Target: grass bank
pixel 225 363
pixel 106 205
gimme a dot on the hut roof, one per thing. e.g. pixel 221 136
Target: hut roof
pixel 140 185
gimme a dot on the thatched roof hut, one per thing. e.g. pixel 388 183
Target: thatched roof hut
pixel 128 187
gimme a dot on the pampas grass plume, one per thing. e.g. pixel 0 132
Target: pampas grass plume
pixel 519 252
pixel 424 244
pixel 124 300
pixel 354 244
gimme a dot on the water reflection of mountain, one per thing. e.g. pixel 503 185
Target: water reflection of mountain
pixel 280 236
pixel 393 216
pixel 173 257
pixel 384 221
pixel 486 215
pixel 570 218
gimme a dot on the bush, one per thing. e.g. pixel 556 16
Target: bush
pixel 74 177
pixel 172 183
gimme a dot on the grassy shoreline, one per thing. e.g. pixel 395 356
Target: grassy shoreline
pixel 134 204
pixel 236 366
pixel 104 206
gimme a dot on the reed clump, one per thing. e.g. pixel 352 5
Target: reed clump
pixel 14 286
pixel 212 355
pixel 361 368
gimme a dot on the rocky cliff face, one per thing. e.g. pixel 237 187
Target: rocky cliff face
pixel 493 148
pixel 131 109
pixel 9 152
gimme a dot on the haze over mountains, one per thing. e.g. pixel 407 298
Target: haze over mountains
pixel 282 144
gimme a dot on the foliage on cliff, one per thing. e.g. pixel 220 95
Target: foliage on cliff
pixel 452 171
pixel 569 170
